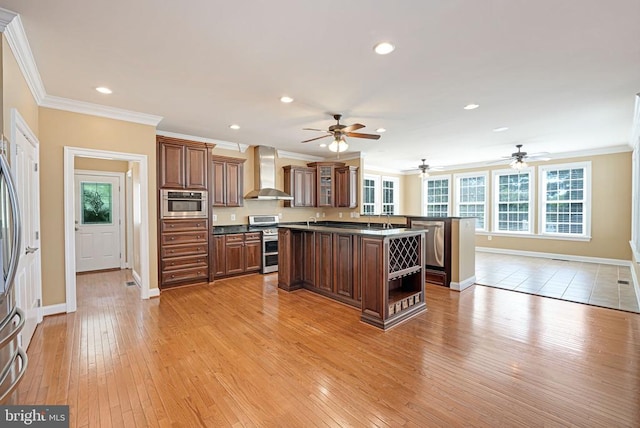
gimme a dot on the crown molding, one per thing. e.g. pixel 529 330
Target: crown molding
pixel 17 40
pixel 83 107
pixel 220 144
pixel 375 168
pixel 298 156
pixel 6 16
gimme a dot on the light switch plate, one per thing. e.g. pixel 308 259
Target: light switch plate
pixel 233 217
pixel 214 217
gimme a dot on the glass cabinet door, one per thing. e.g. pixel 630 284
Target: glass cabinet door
pixel 325 186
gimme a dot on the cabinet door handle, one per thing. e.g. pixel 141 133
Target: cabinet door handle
pixel 173 276
pixel 199 224
pixel 173 238
pixel 172 225
pixel 198 237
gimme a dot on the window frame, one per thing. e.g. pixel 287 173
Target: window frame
pixel 495 200
pixel 396 194
pixel 376 194
pixel 457 192
pixel 425 196
pixel 586 201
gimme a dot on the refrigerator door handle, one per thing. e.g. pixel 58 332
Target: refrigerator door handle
pixel 16 380
pixel 15 212
pixel 30 250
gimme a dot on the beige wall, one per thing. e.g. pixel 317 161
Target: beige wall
pixel 91 164
pixel 16 93
pixel 61 128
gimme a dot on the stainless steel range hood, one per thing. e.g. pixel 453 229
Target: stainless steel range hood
pixel 265 176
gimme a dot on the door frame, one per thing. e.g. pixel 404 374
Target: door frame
pixel 70 153
pixel 121 210
pixel 18 124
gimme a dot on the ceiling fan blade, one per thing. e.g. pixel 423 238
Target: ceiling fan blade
pixel 314 129
pixel 537 154
pixel 538 158
pixel 353 127
pixel 359 135
pixel 313 139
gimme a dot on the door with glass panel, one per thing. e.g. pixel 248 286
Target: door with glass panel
pixel 98 222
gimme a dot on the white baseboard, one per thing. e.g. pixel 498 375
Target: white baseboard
pixel 459 286
pixel 60 308
pixel 617 262
pixel 154 292
pixel 136 278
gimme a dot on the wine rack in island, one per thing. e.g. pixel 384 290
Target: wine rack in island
pixel 393 278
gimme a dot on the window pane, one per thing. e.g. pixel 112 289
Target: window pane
pixel 566 185
pixel 96 203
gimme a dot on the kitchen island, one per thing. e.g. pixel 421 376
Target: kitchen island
pixel 379 271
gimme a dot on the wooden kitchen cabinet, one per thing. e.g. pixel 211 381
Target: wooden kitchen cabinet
pixel 237 254
pixel 227 177
pixel 325 182
pixel 347 186
pixel 184 252
pixel 324 261
pixel 300 182
pixel 182 164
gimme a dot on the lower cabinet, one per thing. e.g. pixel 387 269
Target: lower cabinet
pixel 236 254
pixel 184 252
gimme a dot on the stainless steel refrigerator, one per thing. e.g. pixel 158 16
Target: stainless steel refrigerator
pixel 13 360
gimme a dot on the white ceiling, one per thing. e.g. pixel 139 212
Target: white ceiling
pixel 561 74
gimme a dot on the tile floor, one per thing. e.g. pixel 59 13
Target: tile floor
pixel 591 283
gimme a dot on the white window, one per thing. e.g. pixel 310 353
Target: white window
pixel 565 199
pixel 370 187
pixel 437 194
pixel 471 197
pixel 380 195
pixel 513 200
pixel 390 190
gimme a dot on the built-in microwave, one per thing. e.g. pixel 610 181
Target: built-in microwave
pixel 183 204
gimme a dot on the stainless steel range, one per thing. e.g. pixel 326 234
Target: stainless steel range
pixel 268 225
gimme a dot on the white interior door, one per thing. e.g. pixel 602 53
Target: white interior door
pixel 98 221
pixel 28 280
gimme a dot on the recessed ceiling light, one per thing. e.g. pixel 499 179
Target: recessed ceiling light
pixel 286 99
pixel 501 129
pixel 234 126
pixel 323 145
pixel 104 90
pixel 381 130
pixel 471 106
pixel 384 48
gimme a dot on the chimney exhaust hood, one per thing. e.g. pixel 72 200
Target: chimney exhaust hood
pixel 265 176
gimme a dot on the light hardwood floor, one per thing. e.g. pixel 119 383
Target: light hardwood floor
pixel 240 352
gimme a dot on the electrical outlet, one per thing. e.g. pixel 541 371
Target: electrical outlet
pixel 317 215
pixel 357 215
pixel 280 216
pixel 233 217
pixel 324 215
pixel 489 238
pixel 339 215
pixel 214 217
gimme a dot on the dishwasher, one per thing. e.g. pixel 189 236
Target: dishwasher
pixel 434 239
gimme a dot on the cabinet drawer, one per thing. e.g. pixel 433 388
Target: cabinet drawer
pixel 236 237
pixel 183 250
pixel 184 262
pixel 184 275
pixel 184 238
pixel 252 236
pixel 183 225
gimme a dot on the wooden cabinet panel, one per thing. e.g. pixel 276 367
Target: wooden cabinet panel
pixel 347 186
pixel 184 238
pixel 372 251
pixel 218 262
pixel 253 256
pixel 343 252
pixel 324 261
pixel 174 263
pixel 300 182
pixel 182 250
pixel 196 167
pixel 183 225
pixel 184 275
pixel 309 258
pixel 171 165
pixel 227 178
pixel 234 254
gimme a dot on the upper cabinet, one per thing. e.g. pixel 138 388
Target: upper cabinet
pixel 227 177
pixel 300 182
pixel 182 164
pixel 322 184
pixel 347 186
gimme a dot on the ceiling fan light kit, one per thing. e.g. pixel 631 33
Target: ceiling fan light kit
pixel 338 146
pixel 424 169
pixel 339 132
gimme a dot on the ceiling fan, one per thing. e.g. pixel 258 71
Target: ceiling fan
pixel 425 168
pixel 339 132
pixel 518 159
